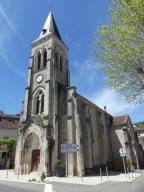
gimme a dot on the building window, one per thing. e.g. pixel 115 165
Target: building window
pixel 37 105
pixel 40 103
pixel 56 60
pixel 61 63
pixel 45 59
pixel 39 61
pixel 98 117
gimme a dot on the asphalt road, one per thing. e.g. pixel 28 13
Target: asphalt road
pixel 135 186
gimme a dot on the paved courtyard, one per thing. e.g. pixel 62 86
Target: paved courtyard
pixel 89 180
pixel 136 186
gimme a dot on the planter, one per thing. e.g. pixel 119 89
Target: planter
pixel 60 171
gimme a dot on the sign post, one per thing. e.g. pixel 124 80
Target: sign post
pixel 66 156
pixel 122 152
pixel 68 148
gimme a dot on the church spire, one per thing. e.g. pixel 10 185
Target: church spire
pixel 50 27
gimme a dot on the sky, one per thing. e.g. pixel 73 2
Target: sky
pixel 78 21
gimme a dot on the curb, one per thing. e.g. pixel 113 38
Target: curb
pixel 20 181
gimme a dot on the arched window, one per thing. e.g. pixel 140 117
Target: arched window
pixel 45 59
pixel 42 104
pixel 39 103
pixel 61 63
pixel 38 61
pixel 56 59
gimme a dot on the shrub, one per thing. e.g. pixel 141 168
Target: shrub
pixel 33 179
pixel 58 162
pixel 43 176
pixel 10 141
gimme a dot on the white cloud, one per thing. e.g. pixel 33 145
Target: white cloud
pixel 8 21
pixel 85 71
pixel 7 32
pixel 113 101
pixel 12 67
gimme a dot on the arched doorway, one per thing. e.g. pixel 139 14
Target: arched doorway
pixel 35 160
pixel 31 154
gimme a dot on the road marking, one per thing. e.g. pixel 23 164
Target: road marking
pixel 48 188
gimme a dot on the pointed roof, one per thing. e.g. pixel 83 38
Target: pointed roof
pixel 120 120
pixel 50 27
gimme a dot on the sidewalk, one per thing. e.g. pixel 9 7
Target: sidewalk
pixel 95 180
pixel 88 180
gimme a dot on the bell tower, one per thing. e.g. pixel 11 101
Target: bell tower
pixel 44 111
pixel 48 68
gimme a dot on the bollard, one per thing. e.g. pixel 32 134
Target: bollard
pixel 82 179
pixel 107 172
pixel 132 171
pixel 128 173
pixel 18 174
pixel 101 173
pixel 7 174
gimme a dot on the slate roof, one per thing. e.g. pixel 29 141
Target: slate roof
pixel 9 124
pixel 9 121
pixel 8 116
pixel 120 120
pixel 50 27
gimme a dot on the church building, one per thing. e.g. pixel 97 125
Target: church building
pixel 54 114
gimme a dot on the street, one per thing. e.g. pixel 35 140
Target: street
pixel 135 186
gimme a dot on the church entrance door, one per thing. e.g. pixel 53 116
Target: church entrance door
pixel 31 155
pixel 35 159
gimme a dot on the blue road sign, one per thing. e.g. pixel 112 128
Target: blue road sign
pixel 69 148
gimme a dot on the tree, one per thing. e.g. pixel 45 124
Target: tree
pixel 120 48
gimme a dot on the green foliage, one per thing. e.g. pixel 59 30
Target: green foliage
pixel 9 142
pixel 33 179
pixel 140 125
pixel 43 176
pixel 40 121
pixel 2 142
pixel 120 48
pixel 58 162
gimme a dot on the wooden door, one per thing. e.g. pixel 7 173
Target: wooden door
pixel 35 159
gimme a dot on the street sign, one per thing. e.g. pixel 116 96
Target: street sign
pixel 69 148
pixel 122 152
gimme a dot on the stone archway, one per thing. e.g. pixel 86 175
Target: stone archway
pixel 31 154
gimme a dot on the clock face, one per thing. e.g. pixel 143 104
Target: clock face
pixel 39 78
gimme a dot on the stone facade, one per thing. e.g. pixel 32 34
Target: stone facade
pixel 9 125
pixel 123 136
pixel 54 114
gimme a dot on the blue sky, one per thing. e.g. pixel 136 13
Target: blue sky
pixel 77 20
